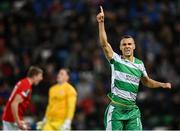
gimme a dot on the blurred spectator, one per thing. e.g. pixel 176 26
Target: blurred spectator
pixel 63 33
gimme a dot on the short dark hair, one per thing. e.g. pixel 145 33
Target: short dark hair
pixel 33 71
pixel 126 36
pixel 67 70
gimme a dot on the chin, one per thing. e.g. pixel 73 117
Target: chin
pixel 128 55
pixel 37 83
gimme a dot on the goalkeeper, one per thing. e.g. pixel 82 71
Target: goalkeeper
pixel 61 104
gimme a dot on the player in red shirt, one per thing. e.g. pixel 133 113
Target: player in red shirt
pixel 19 100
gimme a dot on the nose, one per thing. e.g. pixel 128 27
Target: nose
pixel 126 47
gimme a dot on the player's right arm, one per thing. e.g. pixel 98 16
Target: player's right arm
pixel 108 51
pixel 14 106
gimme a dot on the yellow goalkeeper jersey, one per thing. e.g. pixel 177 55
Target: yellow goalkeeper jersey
pixel 62 102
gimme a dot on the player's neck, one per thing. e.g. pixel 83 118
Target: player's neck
pixel 30 80
pixel 130 58
pixel 61 83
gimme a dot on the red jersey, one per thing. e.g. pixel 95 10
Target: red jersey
pixel 24 89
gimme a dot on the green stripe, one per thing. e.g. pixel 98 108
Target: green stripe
pixel 112 61
pixel 126 69
pixel 137 61
pixel 121 100
pixel 125 86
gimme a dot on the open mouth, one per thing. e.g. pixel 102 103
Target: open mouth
pixel 127 50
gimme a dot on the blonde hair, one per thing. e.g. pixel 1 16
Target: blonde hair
pixel 34 70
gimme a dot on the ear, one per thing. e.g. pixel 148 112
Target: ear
pixel 134 46
pixel 33 79
pixel 120 46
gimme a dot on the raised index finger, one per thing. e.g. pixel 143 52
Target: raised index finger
pixel 101 9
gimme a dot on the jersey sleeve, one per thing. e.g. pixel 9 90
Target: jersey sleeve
pixel 72 98
pixel 115 57
pixel 23 90
pixel 143 69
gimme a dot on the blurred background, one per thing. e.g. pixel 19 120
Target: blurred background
pixel 64 33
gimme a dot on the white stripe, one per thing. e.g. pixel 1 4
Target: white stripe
pixel 130 64
pixel 139 122
pixel 127 63
pixel 124 94
pixel 112 77
pixel 126 78
pixel 24 94
pixel 143 70
pixel 109 118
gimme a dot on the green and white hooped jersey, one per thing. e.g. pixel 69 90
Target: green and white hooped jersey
pixel 125 80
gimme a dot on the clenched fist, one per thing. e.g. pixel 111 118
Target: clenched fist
pixel 100 16
pixel 166 85
pixel 24 126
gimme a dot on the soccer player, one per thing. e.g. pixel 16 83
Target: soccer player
pixel 127 71
pixel 61 104
pixel 19 100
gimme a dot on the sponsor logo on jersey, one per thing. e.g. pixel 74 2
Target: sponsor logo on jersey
pixel 131 78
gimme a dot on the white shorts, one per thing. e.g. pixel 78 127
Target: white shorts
pixel 10 126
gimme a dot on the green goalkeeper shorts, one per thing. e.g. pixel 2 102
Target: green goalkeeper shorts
pixel 118 117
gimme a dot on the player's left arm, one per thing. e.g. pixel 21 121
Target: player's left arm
pixel 72 98
pixel 146 81
pixel 71 106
